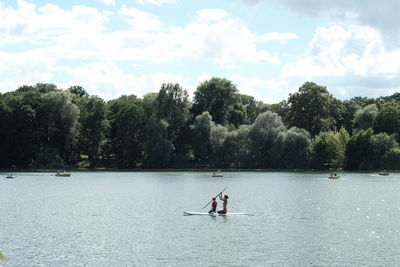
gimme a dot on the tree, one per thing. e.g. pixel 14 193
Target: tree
pixel 217 96
pixel 391 160
pixel 290 149
pixel 388 119
pixel 200 130
pixel 262 136
pixel 381 144
pixel 328 149
pixel 365 117
pixel 94 126
pixel 158 148
pixel 59 120
pixel 127 126
pixel 172 106
pixel 218 135
pixel 310 108
pixel 78 90
pixel 358 150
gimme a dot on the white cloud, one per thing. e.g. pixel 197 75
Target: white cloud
pixel 382 16
pixel 107 2
pixel 211 15
pixel 267 90
pixel 351 61
pixel 109 81
pixel 140 20
pixel 24 69
pixel 49 36
pixel 30 25
pixel 156 2
pixel 276 36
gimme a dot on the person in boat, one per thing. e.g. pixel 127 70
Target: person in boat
pixel 213 206
pixel 224 203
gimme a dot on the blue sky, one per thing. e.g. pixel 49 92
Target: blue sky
pixel 268 48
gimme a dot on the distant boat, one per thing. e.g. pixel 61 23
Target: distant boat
pixel 217 174
pixel 383 173
pixel 9 176
pixel 334 176
pixel 62 174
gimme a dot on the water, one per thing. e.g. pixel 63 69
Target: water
pixel 135 219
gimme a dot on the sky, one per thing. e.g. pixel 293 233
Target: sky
pixel 267 48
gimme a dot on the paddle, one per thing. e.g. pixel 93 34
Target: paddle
pixel 215 197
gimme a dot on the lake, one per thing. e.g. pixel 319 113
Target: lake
pixel 135 219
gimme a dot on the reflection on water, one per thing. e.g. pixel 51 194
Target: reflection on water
pixel 133 218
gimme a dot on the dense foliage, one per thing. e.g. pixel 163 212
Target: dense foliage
pixel 43 126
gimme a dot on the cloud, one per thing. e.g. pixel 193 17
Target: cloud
pixel 211 15
pixel 109 81
pixel 74 46
pixel 107 2
pixel 30 25
pixel 382 16
pixel 156 2
pixel 25 68
pixel 276 36
pixel 140 20
pixel 352 60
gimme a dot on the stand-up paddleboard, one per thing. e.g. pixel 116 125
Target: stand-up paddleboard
pixel 213 213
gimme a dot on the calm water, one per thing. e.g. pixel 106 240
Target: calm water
pixel 135 219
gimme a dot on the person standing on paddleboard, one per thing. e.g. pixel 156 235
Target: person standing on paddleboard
pixel 213 206
pixel 224 203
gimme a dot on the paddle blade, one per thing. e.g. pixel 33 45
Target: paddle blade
pixel 2 257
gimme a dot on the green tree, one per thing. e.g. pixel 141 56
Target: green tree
pixel 290 149
pixel 127 121
pixel 365 117
pixel 94 126
pixel 172 106
pixel 328 149
pixel 381 144
pixel 358 150
pixel 158 148
pixel 200 132
pixel 59 120
pixel 78 90
pixel 388 119
pixel 262 136
pixel 311 108
pixel 218 135
pixel 217 96
pixel 391 160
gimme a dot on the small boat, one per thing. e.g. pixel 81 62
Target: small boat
pixel 217 174
pixel 9 176
pixel 334 176
pixel 213 213
pixel 383 174
pixel 62 174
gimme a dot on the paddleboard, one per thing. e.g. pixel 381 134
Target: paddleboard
pixel 213 214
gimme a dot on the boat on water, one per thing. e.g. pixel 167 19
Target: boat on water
pixel 62 174
pixel 214 213
pixel 334 176
pixel 217 174
pixel 383 174
pixel 9 176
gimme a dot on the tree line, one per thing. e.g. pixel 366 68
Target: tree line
pixel 43 126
